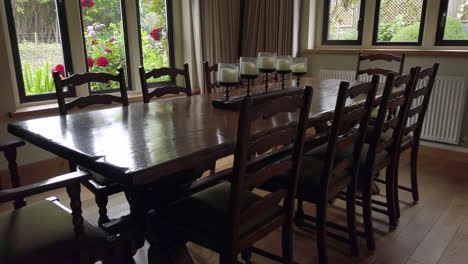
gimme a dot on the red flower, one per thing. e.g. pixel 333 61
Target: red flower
pixel 59 68
pixel 108 50
pixel 94 42
pixel 87 3
pixel 156 33
pixel 90 62
pixel 102 62
pixel 112 40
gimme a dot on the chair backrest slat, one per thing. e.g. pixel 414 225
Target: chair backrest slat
pixel 379 71
pixel 166 89
pixel 346 130
pixel 249 173
pixel 418 106
pixel 392 116
pixel 87 78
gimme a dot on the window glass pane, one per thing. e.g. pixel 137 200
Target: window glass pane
pixel 154 37
pixel 104 39
pixel 39 43
pixel 343 19
pixel 399 20
pixel 456 23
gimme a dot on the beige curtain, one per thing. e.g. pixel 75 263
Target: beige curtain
pixel 220 27
pixel 267 26
pixel 211 33
pixel 192 41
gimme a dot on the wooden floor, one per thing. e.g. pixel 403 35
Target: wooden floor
pixel 434 230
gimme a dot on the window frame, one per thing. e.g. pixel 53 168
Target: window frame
pixel 66 51
pixel 326 23
pixel 375 33
pixel 440 41
pixel 170 41
pixel 123 15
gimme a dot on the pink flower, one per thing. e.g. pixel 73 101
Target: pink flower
pixel 112 40
pixel 102 62
pixel 59 68
pixel 87 3
pixel 153 64
pixel 92 33
pixel 156 33
pixel 149 38
pixel 90 28
pixel 108 50
pixel 149 46
pixel 99 26
pixel 94 42
pixel 90 62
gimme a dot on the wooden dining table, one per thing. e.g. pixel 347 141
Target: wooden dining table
pixel 141 144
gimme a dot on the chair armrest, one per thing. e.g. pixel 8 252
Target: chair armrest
pixel 208 181
pixel 44 186
pixel 11 145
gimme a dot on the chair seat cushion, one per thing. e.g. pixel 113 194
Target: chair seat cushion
pixel 207 212
pixel 312 170
pixel 43 231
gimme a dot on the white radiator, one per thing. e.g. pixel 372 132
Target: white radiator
pixel 444 117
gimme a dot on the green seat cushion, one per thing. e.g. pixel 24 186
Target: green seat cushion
pixel 43 229
pixel 208 212
pixel 312 170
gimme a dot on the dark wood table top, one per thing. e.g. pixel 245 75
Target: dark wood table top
pixel 138 144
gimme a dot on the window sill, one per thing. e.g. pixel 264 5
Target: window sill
pixel 409 52
pixel 52 108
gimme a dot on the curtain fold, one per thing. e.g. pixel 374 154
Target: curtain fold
pixel 267 26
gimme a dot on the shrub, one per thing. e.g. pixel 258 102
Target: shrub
pixel 388 30
pixel 453 30
pixel 409 33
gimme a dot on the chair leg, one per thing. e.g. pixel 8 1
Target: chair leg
pixel 396 173
pixel 228 258
pixel 246 255
pixel 287 242
pixel 101 201
pixel 351 220
pixel 390 194
pixel 367 215
pixel 299 216
pixel 321 231
pixel 414 171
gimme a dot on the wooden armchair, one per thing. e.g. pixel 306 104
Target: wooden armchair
pixel 47 231
pixel 379 57
pixel 225 216
pixel 168 89
pixel 85 78
pixel 98 185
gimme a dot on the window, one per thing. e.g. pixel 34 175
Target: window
pixel 399 22
pixel 453 23
pixel 105 38
pixel 156 42
pixel 38 47
pixel 343 22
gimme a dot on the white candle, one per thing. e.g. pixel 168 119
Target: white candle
pixel 249 68
pixel 299 67
pixel 267 63
pixel 283 65
pixel 228 76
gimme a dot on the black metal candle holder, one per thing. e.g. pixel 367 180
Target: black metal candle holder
pixel 266 72
pixel 283 78
pixel 248 77
pixel 227 87
pixel 298 75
